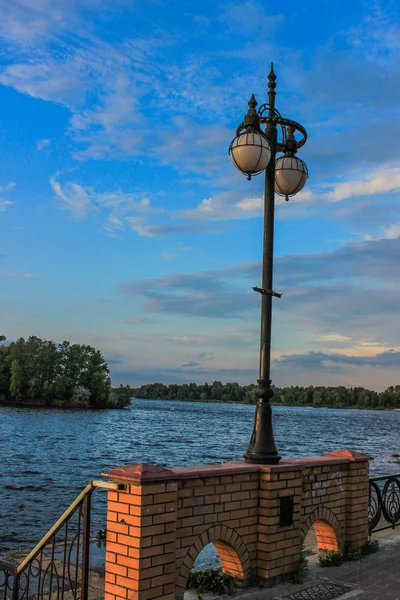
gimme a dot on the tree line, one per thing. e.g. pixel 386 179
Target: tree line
pixel 43 373
pixel 318 396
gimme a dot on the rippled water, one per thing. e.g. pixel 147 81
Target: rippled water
pixel 49 455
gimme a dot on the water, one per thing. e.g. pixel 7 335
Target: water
pixel 47 456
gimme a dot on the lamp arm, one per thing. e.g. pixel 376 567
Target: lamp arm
pixel 284 124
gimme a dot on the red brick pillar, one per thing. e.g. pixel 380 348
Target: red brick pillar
pixel 278 548
pixel 357 500
pixel 141 535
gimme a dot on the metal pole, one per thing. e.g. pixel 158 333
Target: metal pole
pixel 85 547
pixel 262 448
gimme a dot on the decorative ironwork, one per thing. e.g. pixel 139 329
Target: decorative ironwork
pixel 284 124
pixel 322 591
pixel 7 577
pixel 58 566
pixel 384 502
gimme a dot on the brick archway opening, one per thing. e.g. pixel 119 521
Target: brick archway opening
pixel 230 561
pixel 233 554
pixel 326 537
pixel 326 529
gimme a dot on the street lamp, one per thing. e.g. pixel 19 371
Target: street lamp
pixel 252 151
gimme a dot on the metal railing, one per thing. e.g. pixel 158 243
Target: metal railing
pixel 384 502
pixel 58 566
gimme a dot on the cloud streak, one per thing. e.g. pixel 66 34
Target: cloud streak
pixel 335 363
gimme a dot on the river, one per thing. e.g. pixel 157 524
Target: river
pixel 48 455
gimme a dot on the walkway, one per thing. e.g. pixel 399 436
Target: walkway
pixel 375 577
pixel 372 578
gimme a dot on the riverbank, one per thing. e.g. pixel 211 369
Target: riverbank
pixel 207 401
pixel 67 407
pixel 274 404
pixel 311 396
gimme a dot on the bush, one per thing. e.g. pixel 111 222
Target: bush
pixel 331 559
pixel 348 552
pixel 211 580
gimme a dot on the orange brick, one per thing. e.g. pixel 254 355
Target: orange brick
pixel 111 588
pixel 126 540
pixel 133 552
pixel 129 499
pixel 110 577
pixel 117 528
pixel 117 548
pixel 136 510
pixel 128 561
pixel 118 507
pixel 117 569
pixel 129 584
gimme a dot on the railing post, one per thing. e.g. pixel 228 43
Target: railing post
pixel 85 547
pixel 15 586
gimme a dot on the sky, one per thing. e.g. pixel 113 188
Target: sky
pixel 124 225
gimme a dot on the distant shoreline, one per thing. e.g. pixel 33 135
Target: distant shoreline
pixel 207 401
pixel 274 404
pixel 65 407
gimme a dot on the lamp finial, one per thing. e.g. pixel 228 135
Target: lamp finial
pixel 272 78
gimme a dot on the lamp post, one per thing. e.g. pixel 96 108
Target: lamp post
pixel 253 151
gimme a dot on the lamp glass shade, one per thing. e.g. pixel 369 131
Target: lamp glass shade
pixel 250 152
pixel 290 175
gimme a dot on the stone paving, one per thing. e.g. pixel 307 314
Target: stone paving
pixel 372 578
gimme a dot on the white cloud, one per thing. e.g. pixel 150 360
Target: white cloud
pixel 4 204
pixel 389 233
pixel 18 275
pixel 9 186
pixel 239 205
pixel 381 181
pixel 73 198
pixel 41 144
pixel 114 208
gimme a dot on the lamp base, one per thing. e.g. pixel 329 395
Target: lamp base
pixel 262 448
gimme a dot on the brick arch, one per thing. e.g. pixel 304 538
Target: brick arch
pixel 327 529
pixel 235 558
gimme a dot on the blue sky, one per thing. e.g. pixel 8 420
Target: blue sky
pixel 123 223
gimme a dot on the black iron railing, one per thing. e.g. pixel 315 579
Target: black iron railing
pixel 384 502
pixel 58 566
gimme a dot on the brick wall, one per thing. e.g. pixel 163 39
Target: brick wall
pixel 159 524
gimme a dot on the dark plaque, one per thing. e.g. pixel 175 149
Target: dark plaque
pixel 286 511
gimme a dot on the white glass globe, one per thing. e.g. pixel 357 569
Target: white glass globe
pixel 250 152
pixel 290 175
